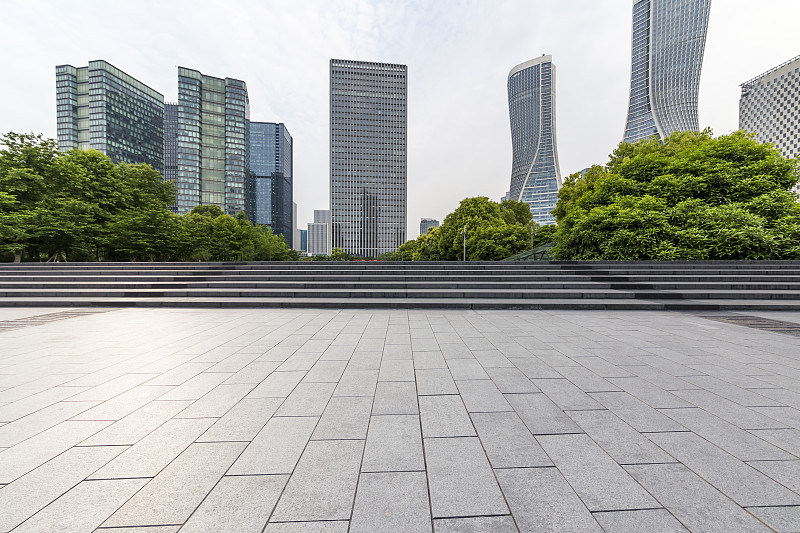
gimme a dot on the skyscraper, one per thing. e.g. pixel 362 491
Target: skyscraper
pixel 212 142
pixel 668 41
pixel 770 107
pixel 270 190
pixel 171 145
pixel 535 175
pixel 101 107
pixel 368 156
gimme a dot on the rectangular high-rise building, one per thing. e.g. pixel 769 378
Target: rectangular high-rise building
pixel 102 108
pixel 427 223
pixel 368 156
pixel 212 142
pixel 270 191
pixel 171 145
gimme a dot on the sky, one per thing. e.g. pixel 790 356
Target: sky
pixel 458 52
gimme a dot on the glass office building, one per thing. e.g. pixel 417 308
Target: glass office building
pixel 368 156
pixel 171 145
pixel 270 188
pixel 770 107
pixel 668 41
pixel 535 175
pixel 212 142
pixel 102 108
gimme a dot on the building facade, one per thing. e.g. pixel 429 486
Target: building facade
pixel 769 107
pixel 102 108
pixel 319 233
pixel 426 223
pixel 270 185
pixel 171 146
pixel 368 156
pixel 535 174
pixel 303 240
pixel 668 41
pixel 212 142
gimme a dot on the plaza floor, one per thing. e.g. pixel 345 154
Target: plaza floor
pixel 325 421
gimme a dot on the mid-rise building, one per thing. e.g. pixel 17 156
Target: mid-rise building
pixel 212 142
pixel 769 107
pixel 102 108
pixel 303 240
pixel 270 188
pixel 319 233
pixel 535 174
pixel 668 41
pixel 171 146
pixel 426 223
pixel 368 156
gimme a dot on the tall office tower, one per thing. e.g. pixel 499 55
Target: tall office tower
pixel 171 146
pixel 769 108
pixel 368 156
pixel 669 38
pixel 295 231
pixel 102 108
pixel 303 240
pixel 535 175
pixel 426 223
pixel 212 142
pixel 270 185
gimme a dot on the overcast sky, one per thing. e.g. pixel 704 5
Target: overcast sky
pixel 458 52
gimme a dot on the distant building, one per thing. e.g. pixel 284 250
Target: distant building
pixel 668 41
pixel 319 233
pixel 295 232
pixel 426 223
pixel 102 108
pixel 212 142
pixel 171 146
pixel 535 174
pixel 770 107
pixel 270 188
pixel 303 240
pixel 368 156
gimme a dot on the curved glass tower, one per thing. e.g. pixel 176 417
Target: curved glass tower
pixel 535 176
pixel 669 38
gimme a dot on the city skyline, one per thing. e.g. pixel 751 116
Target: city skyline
pixel 459 143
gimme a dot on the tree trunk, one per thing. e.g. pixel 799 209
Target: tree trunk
pixel 18 257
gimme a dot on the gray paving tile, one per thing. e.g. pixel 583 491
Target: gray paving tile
pixel 135 426
pixel 254 372
pixel 362 360
pixel 466 369
pixel 357 383
pixel 390 502
pixel 112 388
pixel 152 529
pixel 507 441
pixel 31 404
pixel 697 504
pixel 534 368
pixel 277 447
pixel 460 479
pixel 243 421
pixel 394 443
pixel 323 484
pixel 566 395
pixel 238 503
pixel 308 527
pixel 299 361
pixel 649 393
pixel 483 524
pixel 482 396
pixel 740 416
pixel 542 501
pixel 325 372
pixel 435 381
pixel 217 402
pixel 636 413
pixel 731 392
pixel 599 481
pixel 307 399
pixel 429 360
pixel 344 418
pixel 649 520
pixel 511 380
pixel 124 404
pixel 191 475
pixel 787 473
pixel 28 426
pixel 196 387
pixel 789 416
pixel 541 415
pixel 444 416
pixel 787 439
pixel 781 519
pixel 277 385
pixel 396 370
pixel 397 351
pixel 395 398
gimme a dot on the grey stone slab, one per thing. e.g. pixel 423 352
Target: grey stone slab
pixel 636 413
pixel 787 473
pixel 217 402
pixel 152 529
pixel 254 372
pixel 466 369
pixel 649 393
pixel 534 368
pixel 394 443
pixel 424 344
pixel 482 396
pixel 243 421
pixel 566 395
pixel 395 398
pixel 492 359
pixel 435 381
pixel 745 397
pixel 155 451
pixel 238 503
pixel 84 507
pixel 781 519
pixel 511 380
pixel 135 426
pixel 357 383
pixel 603 368
pixel 172 496
pixel 397 351
pixel 740 416
pixel 460 479
pixel 112 388
pixel 483 524
pixel 428 360
pixel 277 385
pixel 28 426
pixel 444 416
pixel 33 491
pixel 196 387
pixel 277 447
pixel 507 441
pixel 325 372
pixel 179 374
pixel 599 481
pixel 299 361
pixel 452 351
pixel 649 520
pixel 541 500
pixel 365 360
pixel 344 418
pixel 786 415
pixel 787 439
pixel 618 439
pixel 31 404
pixel 396 370
pixel 323 484
pixel 307 399
pixel 739 481
pixel 541 415
pixel 124 404
pixel 391 501
pixel 339 526
pixel 693 501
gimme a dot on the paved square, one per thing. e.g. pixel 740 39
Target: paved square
pixel 299 421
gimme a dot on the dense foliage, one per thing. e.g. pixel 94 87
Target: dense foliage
pixel 692 197
pixel 79 206
pixel 494 231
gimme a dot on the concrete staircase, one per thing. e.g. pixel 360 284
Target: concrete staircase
pixel 713 285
